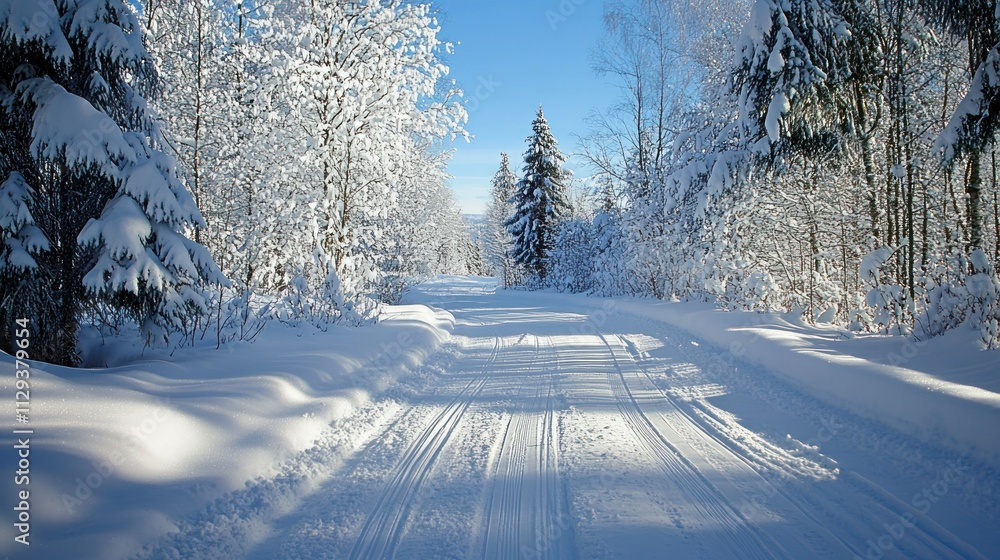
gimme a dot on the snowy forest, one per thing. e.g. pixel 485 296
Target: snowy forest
pixel 833 159
pixel 540 279
pixel 190 170
pixel 196 168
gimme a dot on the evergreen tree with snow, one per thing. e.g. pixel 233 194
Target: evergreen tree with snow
pixel 974 125
pixel 570 259
pixel 92 212
pixel 498 211
pixel 540 200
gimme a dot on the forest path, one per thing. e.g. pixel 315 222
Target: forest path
pixel 561 427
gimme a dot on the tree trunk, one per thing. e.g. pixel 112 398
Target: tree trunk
pixel 868 158
pixel 981 39
pixel 910 240
pixel 973 195
pixel 64 330
pixel 996 211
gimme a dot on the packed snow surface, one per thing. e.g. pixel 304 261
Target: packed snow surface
pixel 476 423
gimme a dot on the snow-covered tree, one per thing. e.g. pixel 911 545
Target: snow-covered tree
pixel 609 255
pixel 795 174
pixel 976 121
pixel 94 212
pixel 190 41
pixel 791 52
pixel 424 232
pixel 569 262
pixel 311 130
pixel 359 84
pixel 499 209
pixel 540 199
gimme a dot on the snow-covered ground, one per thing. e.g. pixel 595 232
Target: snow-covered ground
pixel 544 426
pixel 119 455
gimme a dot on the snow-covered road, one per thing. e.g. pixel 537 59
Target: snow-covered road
pixel 562 427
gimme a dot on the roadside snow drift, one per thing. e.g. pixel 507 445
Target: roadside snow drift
pixel 944 390
pixel 117 453
pixel 491 424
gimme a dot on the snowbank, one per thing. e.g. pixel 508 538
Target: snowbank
pixel 120 451
pixel 945 390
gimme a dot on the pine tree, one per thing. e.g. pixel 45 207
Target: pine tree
pixel 791 65
pixel 540 199
pixel 91 209
pixel 975 123
pixel 499 210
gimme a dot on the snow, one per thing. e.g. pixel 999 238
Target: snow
pixel 979 260
pixel 772 121
pixel 964 123
pixel 775 62
pixel 943 390
pixel 16 221
pixel 166 434
pixel 123 227
pixel 124 230
pixel 30 20
pixel 119 41
pixel 66 122
pixel 873 262
pixel 760 20
pixel 476 423
pixel 146 182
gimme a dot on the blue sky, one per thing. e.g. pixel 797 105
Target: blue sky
pixel 510 57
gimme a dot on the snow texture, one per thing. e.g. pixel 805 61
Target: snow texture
pixel 548 426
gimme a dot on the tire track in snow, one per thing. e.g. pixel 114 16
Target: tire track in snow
pixel 555 539
pixel 702 447
pixel 382 529
pixel 856 504
pixel 527 514
pixel 503 508
pixel 744 539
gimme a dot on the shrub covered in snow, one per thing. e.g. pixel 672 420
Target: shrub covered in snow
pixel 964 292
pixel 94 213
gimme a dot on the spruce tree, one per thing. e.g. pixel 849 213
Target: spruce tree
pixel 500 208
pixel 974 125
pixel 91 208
pixel 540 199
